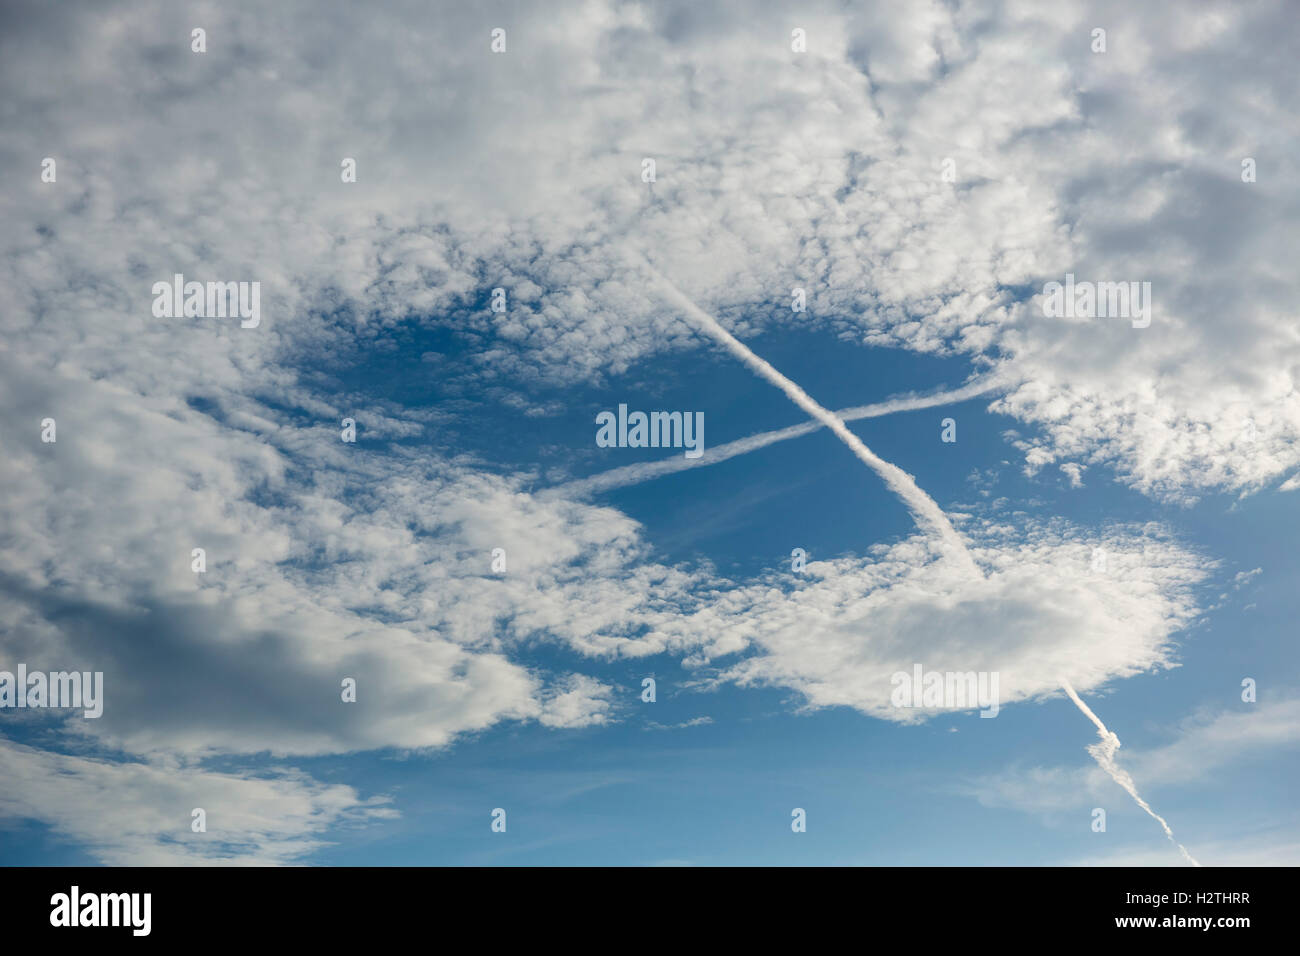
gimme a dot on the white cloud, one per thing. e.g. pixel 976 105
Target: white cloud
pixel 839 632
pixel 522 171
pixel 140 814
pixel 775 169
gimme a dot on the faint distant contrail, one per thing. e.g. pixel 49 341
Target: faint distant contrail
pixel 634 474
pixel 923 508
pixel 1104 754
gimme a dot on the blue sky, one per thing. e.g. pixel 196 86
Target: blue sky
pixel 644 790
pixel 1172 448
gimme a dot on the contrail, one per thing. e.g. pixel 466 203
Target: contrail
pixel 635 474
pixel 1104 754
pixel 924 508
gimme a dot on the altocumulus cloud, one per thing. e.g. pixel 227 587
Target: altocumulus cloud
pixel 371 565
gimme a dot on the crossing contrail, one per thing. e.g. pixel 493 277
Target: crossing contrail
pixel 646 471
pixel 924 509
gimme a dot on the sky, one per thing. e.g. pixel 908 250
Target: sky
pixel 430 645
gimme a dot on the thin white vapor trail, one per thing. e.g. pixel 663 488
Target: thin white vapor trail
pixel 923 508
pixel 1104 754
pixel 635 474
